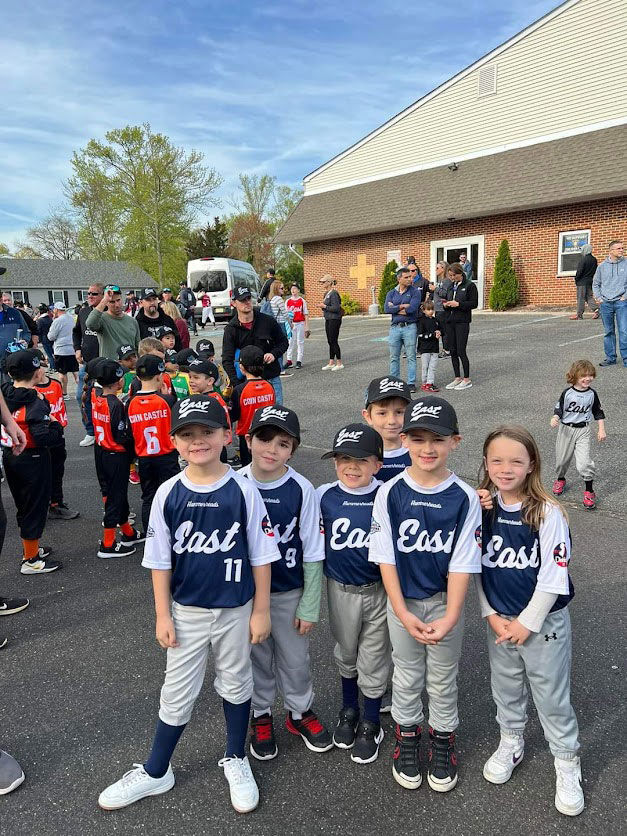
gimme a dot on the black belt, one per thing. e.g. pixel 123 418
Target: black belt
pixel 402 324
pixel 577 426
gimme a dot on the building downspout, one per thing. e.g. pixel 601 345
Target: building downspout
pixel 293 249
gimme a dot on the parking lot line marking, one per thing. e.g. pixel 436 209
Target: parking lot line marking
pixel 517 325
pixel 580 340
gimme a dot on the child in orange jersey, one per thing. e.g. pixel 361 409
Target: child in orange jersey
pixel 249 396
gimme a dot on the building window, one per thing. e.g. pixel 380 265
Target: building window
pixel 82 296
pixel 20 296
pixel 58 296
pixel 569 251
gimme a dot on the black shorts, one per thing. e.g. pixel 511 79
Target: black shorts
pixel 66 363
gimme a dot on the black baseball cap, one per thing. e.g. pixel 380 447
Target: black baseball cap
pixel 148 293
pixel 170 356
pixel 202 366
pixel 184 356
pixel 43 307
pixel 22 364
pixel 271 270
pixel 431 413
pixel 163 331
pixel 359 441
pixel 92 367
pixel 108 372
pixel 241 293
pixel 382 388
pixel 198 409
pixel 149 366
pixel 125 351
pixel 250 355
pixel 205 347
pixel 276 416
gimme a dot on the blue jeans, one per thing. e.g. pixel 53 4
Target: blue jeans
pixel 278 389
pixel 406 337
pixel 614 314
pixel 85 417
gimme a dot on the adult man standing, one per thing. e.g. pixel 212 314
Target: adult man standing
pixel 151 317
pixel 403 302
pixel 85 349
pixel 32 332
pixel 166 294
pixel 466 265
pixel 187 302
pixel 250 327
pixel 609 288
pixel 60 335
pixel 44 321
pixel 113 327
pixel 586 269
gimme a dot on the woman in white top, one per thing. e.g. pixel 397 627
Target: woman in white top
pixel 280 313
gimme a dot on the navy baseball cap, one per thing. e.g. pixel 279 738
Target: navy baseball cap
pixel 198 409
pixel 276 416
pixel 163 331
pixel 92 367
pixel 201 366
pixel 22 364
pixel 241 293
pixel 149 366
pixel 431 413
pixel 250 355
pixel 359 441
pixel 108 372
pixel 205 347
pixel 125 351
pixel 382 388
pixel 148 293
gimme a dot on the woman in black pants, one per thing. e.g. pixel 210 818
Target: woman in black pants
pixel 461 298
pixel 332 311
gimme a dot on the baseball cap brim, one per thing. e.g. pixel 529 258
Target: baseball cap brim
pixel 387 396
pixel 280 425
pixel 194 419
pixel 436 429
pixel 355 453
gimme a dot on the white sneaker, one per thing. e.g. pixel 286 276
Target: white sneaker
pixel 133 786
pixel 465 384
pixel 328 366
pixel 454 383
pixel 87 441
pixel 338 368
pixel 568 793
pixel 244 790
pixel 500 765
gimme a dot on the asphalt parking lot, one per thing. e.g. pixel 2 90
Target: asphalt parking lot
pixel 80 678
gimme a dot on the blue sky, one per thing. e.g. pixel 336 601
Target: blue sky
pixel 276 87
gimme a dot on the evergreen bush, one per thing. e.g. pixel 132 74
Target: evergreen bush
pixel 350 305
pixel 388 282
pixel 504 291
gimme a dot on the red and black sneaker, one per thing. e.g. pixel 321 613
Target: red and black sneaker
pixel 432 387
pixel 315 735
pixel 589 500
pixel 442 770
pixel 406 758
pixel 558 487
pixel 262 743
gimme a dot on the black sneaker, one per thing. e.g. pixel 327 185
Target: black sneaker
pixel 62 512
pixel 367 742
pixel 116 550
pixel 315 735
pixel 344 734
pixel 299 365
pixel 131 540
pixel 3 642
pixel 262 743
pixel 406 758
pixel 44 551
pixel 442 770
pixel 39 566
pixel 386 702
pixel 9 606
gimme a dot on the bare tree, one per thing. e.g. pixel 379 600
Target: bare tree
pixel 55 236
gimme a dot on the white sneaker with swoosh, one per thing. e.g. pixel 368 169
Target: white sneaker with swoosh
pixel 500 765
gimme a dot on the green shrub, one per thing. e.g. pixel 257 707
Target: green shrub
pixel 388 282
pixel 504 291
pixel 350 305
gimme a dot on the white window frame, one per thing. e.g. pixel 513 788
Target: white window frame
pixel 560 245
pixel 19 296
pixel 61 293
pixel 82 296
pixel 478 268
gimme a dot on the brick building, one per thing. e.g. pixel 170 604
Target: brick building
pixel 538 158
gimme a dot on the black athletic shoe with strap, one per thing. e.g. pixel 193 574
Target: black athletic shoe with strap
pixel 9 606
pixel 315 735
pixel 442 771
pixel 367 742
pixel 262 743
pixel 344 733
pixel 406 758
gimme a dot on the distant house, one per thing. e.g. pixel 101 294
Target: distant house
pixel 36 280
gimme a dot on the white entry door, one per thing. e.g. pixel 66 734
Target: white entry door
pixel 450 250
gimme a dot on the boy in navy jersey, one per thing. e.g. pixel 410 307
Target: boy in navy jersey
pixel 357 599
pixel 209 546
pixel 283 659
pixel 386 401
pixel 426 530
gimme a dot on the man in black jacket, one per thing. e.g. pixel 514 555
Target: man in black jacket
pixel 187 303
pixel 583 282
pixel 86 349
pixel 249 327
pixel 151 317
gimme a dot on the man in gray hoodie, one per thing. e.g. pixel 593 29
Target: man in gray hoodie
pixel 609 288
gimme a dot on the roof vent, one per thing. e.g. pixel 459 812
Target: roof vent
pixel 487 81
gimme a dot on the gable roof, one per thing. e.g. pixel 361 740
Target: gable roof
pixel 53 274
pixel 571 170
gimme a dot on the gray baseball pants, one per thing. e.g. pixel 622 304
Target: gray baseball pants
pixel 573 441
pixel 227 632
pixel 418 665
pixel 429 363
pixel 584 294
pixel 358 622
pixel 546 659
pixel 282 661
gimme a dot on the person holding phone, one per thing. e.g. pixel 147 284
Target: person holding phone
pixel 113 327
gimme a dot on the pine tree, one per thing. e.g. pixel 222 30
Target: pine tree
pixel 208 241
pixel 388 282
pixel 504 292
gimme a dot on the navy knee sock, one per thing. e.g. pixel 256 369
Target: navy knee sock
pixel 236 727
pixel 166 738
pixel 372 709
pixel 350 694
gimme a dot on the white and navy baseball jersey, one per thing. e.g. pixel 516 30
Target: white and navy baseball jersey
pixel 210 536
pixel 346 518
pixel 579 406
pixel 292 505
pixel 426 532
pixel 516 560
pixel 394 462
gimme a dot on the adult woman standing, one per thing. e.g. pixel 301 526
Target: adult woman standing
pixel 278 309
pixel 442 284
pixel 173 310
pixel 461 298
pixel 331 308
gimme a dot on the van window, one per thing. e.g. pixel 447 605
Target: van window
pixel 243 277
pixel 210 280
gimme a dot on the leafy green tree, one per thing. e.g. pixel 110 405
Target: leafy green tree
pixel 100 212
pixel 4 250
pixel 293 273
pixel 388 282
pixel 208 241
pixel 504 292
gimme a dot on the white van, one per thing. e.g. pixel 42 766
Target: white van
pixel 218 277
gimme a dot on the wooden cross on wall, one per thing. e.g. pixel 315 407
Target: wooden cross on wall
pixel 362 271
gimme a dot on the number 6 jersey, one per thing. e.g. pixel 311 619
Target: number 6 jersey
pixel 150 418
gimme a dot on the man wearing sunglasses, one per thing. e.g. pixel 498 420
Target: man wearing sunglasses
pixel 86 348
pixel 113 327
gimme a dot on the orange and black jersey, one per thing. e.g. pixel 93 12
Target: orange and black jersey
pixel 53 393
pixel 32 414
pixel 109 419
pixel 246 398
pixel 222 403
pixel 150 418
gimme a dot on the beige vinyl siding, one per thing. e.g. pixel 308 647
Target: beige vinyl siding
pixel 569 73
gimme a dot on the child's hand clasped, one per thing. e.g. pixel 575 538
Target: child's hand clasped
pixel 417 629
pixel 165 632
pixel 515 633
pixel 303 626
pixel 440 628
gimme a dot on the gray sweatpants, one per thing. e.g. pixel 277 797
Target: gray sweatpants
pixel 584 294
pixel 545 658
pixel 358 622
pixel 227 632
pixel 573 440
pixel 429 364
pixel 418 665
pixel 282 661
